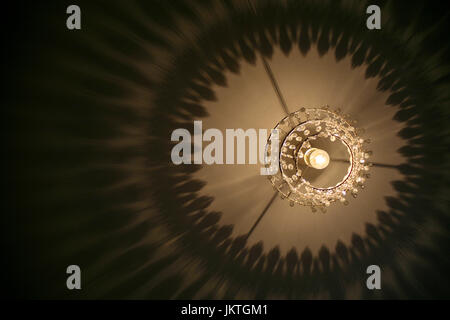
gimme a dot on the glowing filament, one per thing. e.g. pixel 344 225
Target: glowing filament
pixel 317 158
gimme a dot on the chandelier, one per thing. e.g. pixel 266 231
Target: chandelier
pixel 322 158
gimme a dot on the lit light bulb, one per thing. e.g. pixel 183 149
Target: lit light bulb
pixel 317 158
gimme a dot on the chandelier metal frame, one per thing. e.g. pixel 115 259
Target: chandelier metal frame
pixel 296 133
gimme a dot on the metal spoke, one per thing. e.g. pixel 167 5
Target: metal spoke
pixel 262 213
pixel 269 71
pixel 374 164
pixel 275 85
